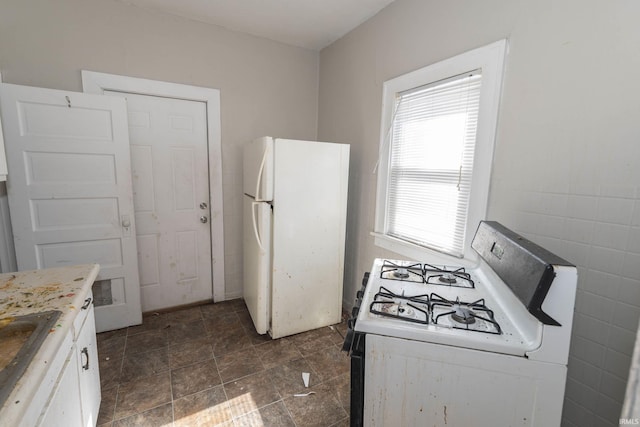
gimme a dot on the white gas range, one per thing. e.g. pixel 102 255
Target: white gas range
pixel 466 344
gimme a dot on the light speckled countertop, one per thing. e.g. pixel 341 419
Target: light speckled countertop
pixel 28 292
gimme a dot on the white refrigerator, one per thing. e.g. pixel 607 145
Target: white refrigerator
pixel 295 206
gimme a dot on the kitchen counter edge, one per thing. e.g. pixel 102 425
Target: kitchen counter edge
pixel 73 285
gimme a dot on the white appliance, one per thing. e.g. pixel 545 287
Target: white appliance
pixel 295 205
pixel 482 343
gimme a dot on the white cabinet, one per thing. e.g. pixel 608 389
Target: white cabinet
pixel 75 399
pixel 89 377
pixel 63 409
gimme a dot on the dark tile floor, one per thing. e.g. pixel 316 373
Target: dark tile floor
pixel 206 366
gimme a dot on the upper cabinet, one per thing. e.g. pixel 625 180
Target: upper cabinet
pixel 3 157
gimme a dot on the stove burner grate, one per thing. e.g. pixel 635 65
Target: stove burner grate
pixel 409 308
pixel 472 316
pixel 442 276
pixel 411 272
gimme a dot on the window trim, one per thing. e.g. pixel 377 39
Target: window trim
pixel 490 59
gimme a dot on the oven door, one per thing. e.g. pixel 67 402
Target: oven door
pixel 414 383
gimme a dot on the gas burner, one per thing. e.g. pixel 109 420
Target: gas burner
pixel 409 308
pixel 463 315
pixel 471 316
pixel 398 310
pixel 403 271
pixel 444 276
pixel 447 278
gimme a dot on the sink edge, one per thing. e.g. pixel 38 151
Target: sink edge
pixel 11 374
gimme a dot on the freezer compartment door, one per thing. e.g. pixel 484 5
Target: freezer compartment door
pixel 258 169
pixel 257 261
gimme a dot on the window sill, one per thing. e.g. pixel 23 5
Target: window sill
pixel 412 251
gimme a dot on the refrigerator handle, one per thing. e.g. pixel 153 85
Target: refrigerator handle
pixel 255 224
pixel 260 171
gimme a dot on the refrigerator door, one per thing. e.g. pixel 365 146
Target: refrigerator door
pixel 258 169
pixel 309 221
pixel 257 261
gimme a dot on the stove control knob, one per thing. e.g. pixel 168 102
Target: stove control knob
pixel 365 279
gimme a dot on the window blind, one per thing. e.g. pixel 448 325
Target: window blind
pixel 432 139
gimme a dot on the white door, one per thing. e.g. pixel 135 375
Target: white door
pixel 69 190
pixel 170 173
pixel 257 261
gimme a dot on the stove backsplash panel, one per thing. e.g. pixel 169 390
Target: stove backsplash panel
pixel 525 267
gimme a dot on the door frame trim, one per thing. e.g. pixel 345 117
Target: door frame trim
pixel 7 250
pixel 97 83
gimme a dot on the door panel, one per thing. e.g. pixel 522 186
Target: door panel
pixel 69 189
pixel 170 173
pixel 61 168
pixel 54 122
pixel 73 214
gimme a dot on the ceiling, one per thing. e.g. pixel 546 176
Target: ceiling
pixel 311 24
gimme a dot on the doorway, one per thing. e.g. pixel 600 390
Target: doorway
pixel 177 182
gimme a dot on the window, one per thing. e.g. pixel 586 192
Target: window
pixel 435 153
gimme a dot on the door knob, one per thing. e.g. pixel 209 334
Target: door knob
pixel 125 221
pixel 203 219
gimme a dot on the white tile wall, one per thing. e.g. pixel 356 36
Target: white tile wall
pixel 600 234
pixel 607 409
pixel 590 373
pixel 575 416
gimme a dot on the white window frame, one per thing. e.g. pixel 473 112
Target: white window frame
pixel 490 59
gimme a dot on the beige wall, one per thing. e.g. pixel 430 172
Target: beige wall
pixel 267 88
pixel 567 158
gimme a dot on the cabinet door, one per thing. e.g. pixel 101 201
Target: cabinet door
pixel 87 360
pixel 63 408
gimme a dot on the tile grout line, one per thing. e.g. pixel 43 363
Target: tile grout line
pixel 173 406
pixel 115 404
